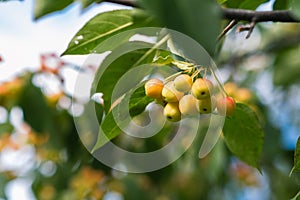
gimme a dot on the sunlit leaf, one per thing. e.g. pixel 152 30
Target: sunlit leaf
pixel 244 135
pixel 105 25
pixel 87 3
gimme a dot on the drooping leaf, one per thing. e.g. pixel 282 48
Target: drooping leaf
pixel 115 66
pixel 44 7
pixel 198 19
pixel 105 25
pixel 244 135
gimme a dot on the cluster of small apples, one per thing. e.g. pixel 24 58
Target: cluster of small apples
pixel 184 97
pixel 240 94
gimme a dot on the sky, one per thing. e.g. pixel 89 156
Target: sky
pixel 22 39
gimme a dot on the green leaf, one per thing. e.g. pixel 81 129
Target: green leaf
pixel 6 128
pixel 297 157
pixel 222 1
pixel 281 5
pixel 87 3
pixel 35 107
pixel 109 127
pixel 105 25
pixel 44 7
pixel 115 66
pixel 244 135
pixel 244 4
pixel 197 19
pixel 296 196
pixel 286 67
pixel 138 101
pixel 251 4
pixel 295 5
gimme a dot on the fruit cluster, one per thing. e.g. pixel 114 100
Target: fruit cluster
pixel 183 97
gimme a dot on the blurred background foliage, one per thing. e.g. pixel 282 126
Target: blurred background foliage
pixel 37 130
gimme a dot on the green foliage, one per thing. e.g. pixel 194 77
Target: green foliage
pixel 243 4
pixel 215 176
pixel 189 17
pixel 112 70
pixel 87 3
pixel 295 5
pixel 286 67
pixel 44 7
pixel 6 128
pixel 244 135
pixel 104 26
pixel 297 157
pixel 136 101
pixel 34 107
pixel 281 5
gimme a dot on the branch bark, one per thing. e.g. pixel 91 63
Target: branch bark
pixel 258 16
pixel 237 14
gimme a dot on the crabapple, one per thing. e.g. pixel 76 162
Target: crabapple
pixel 153 88
pixel 171 111
pixel 183 83
pixel 226 106
pixel 201 88
pixel 243 95
pixel 206 106
pixel 170 94
pixel 188 105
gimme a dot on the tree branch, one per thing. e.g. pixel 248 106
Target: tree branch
pixel 258 16
pixel 236 14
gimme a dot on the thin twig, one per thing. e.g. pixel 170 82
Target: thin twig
pixel 252 25
pixel 227 28
pixel 248 28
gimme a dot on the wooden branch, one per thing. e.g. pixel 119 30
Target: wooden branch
pixel 237 14
pixel 258 16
